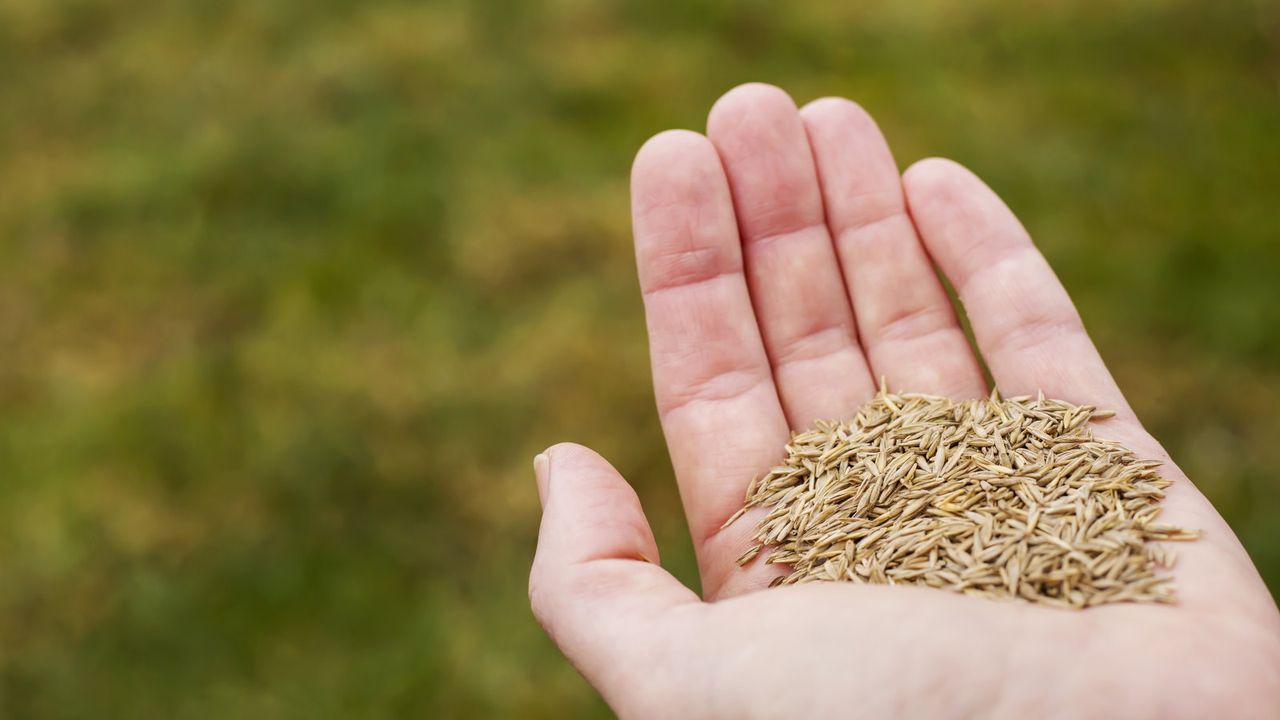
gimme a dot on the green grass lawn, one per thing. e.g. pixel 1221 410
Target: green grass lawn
pixel 291 293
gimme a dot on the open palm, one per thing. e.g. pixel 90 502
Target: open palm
pixel 786 265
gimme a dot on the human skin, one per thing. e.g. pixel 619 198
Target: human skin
pixel 786 266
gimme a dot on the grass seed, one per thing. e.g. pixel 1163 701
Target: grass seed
pixel 999 498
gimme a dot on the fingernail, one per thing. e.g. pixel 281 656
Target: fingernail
pixel 542 473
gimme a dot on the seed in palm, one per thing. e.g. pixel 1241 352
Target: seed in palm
pixel 999 498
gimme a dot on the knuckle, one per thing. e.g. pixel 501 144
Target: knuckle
pixel 541 602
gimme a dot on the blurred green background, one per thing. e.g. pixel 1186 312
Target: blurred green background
pixel 291 293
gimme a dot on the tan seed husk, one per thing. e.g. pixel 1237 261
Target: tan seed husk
pixel 999 498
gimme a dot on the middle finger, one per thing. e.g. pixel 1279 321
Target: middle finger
pixel 796 289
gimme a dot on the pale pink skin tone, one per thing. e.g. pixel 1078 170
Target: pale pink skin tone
pixel 785 266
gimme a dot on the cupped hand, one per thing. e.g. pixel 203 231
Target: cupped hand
pixel 786 266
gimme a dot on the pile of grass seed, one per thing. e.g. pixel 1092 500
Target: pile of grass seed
pixel 997 498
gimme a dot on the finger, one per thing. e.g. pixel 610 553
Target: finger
pixel 799 298
pixel 1032 338
pixel 715 392
pixel 907 326
pixel 595 585
pixel 1025 324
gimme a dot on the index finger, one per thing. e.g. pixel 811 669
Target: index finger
pixel 716 398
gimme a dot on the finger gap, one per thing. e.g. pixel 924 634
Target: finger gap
pixel 957 304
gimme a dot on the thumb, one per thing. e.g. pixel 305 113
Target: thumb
pixel 596 586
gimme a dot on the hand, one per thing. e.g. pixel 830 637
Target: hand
pixel 785 267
